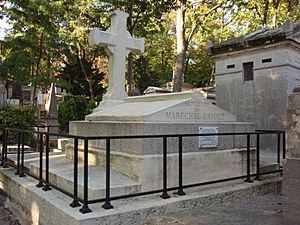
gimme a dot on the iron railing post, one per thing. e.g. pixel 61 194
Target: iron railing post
pixel 278 148
pixel 22 174
pixel 85 208
pixel 165 195
pixel 180 189
pixel 75 202
pixel 41 146
pixel 38 137
pixel 248 179
pixel 107 204
pixel 283 145
pixel 258 158
pixel 18 153
pixel 47 186
pixel 4 148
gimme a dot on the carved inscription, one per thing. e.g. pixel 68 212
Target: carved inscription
pixel 196 104
pixel 297 59
pixel 195 116
pixel 194 113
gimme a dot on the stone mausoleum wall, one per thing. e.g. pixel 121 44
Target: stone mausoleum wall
pixel 256 73
pixel 291 172
pixel 262 100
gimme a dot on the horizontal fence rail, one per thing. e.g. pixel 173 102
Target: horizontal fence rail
pixel 43 148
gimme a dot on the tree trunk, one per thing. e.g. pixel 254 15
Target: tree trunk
pixel 265 14
pixel 36 74
pixel 87 79
pixel 275 13
pixel 178 71
pixel 80 56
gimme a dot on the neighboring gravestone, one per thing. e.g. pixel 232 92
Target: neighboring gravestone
pixel 118 44
pixel 52 113
pixel 174 113
pixel 16 92
pixel 3 95
pixel 291 168
pixel 256 73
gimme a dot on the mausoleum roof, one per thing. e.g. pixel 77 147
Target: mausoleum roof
pixel 262 37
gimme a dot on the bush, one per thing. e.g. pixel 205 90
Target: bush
pixel 90 106
pixel 74 107
pixel 21 117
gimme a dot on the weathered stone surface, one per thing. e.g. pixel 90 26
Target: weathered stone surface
pixel 264 99
pixel 147 146
pixel 275 56
pixel 36 207
pixel 52 113
pixel 6 217
pixel 175 107
pixel 291 194
pixel 176 113
pixel 291 175
pixel 259 210
pixel 197 166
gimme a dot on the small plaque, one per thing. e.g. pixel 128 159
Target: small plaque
pixel 208 141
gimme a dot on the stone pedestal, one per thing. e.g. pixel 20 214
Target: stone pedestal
pixel 291 173
pixel 180 113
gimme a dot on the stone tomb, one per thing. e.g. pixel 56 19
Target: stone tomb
pixel 175 113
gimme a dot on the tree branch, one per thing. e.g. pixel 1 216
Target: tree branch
pixel 198 23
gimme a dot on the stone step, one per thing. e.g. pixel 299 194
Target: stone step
pixel 268 163
pixel 61 174
pixel 269 168
pixel 34 206
pixel 14 149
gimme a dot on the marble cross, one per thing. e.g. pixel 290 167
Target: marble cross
pixel 118 42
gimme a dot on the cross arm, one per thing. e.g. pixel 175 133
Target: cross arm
pixel 100 38
pixel 136 45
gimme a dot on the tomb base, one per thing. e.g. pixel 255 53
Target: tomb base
pixel 141 159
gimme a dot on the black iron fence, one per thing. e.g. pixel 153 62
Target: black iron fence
pixel 43 149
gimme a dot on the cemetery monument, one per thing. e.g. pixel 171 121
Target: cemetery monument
pixel 118 43
pixel 3 95
pixel 174 113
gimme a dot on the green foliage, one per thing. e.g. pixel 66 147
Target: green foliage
pixel 45 40
pixel 74 107
pixel 66 113
pixel 72 75
pixel 80 105
pixel 47 44
pixel 90 106
pixel 20 117
pixel 16 66
pixel 144 76
pixel 199 68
